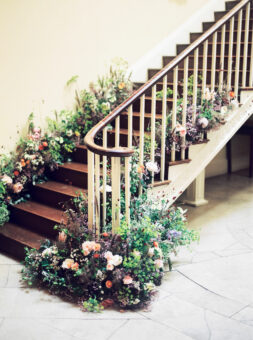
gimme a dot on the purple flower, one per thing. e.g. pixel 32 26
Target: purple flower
pixel 174 234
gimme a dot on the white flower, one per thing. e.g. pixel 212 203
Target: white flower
pixel 203 122
pixel 207 94
pixel 69 133
pixel 149 286
pixel 49 251
pixel 109 265
pixel 224 110
pixel 234 104
pixel 152 167
pixel 6 179
pixel 159 263
pixel 116 260
pixel 180 129
pixel 108 255
pixel 108 188
pixel 151 252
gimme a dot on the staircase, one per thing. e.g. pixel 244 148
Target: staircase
pixel 222 51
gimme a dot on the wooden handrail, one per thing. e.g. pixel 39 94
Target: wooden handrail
pixel 126 152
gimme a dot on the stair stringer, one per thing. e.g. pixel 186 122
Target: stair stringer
pixel 204 154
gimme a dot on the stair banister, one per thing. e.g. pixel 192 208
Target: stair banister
pixel 117 152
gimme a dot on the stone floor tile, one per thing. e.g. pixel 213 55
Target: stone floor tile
pixel 85 329
pixel 14 277
pixel 231 277
pixel 30 329
pixel 221 328
pixel 245 315
pixel 5 259
pixel 183 288
pixel 147 330
pixel 4 273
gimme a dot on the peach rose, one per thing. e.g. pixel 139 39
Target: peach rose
pixel 110 266
pixel 75 266
pixel 62 237
pixel 97 247
pixel 108 255
pixel 127 280
pixel 67 264
pixel 17 188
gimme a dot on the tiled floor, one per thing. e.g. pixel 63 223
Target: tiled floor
pixel 208 295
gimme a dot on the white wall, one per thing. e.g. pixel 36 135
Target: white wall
pixel 45 42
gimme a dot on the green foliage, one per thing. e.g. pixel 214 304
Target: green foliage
pixel 159 94
pixel 72 80
pixel 93 305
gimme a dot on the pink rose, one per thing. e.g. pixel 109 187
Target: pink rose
pixel 67 264
pixel 127 280
pixel 109 266
pixel 17 188
pixel 62 237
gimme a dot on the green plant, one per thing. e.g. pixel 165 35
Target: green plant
pixel 93 305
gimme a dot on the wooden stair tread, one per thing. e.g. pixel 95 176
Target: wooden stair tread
pixel 125 132
pixel 41 210
pixel 62 188
pixel 24 236
pixel 146 115
pixel 80 167
pixel 179 162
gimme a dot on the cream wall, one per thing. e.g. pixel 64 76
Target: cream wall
pixel 46 42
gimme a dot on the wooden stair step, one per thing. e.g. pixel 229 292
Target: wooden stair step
pixel 125 132
pixel 146 115
pixel 55 193
pixel 72 173
pixel 13 239
pixel 80 154
pixel 179 162
pixel 37 217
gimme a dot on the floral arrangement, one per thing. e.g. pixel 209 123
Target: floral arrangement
pixel 121 270
pixel 211 112
pixel 38 152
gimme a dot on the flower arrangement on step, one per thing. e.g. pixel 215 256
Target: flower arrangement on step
pixel 212 111
pixel 122 269
pixel 40 152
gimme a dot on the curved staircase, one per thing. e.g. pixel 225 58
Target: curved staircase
pixel 34 220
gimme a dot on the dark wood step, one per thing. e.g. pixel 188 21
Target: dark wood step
pixel 220 14
pixel 73 173
pixel 55 193
pixel 136 120
pixel 182 47
pixel 194 36
pixel 37 217
pixel 13 239
pixel 80 154
pixel 230 4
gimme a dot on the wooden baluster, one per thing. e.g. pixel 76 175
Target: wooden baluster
pixel 142 133
pixel 153 116
pixel 128 165
pixel 213 69
pixel 204 73
pixel 230 53
pixel 251 60
pixel 246 41
pixel 104 175
pixel 117 131
pixel 115 173
pixel 222 55
pixel 238 53
pixel 97 194
pixel 163 137
pixel 174 110
pixel 195 84
pixel 91 196
pixel 185 101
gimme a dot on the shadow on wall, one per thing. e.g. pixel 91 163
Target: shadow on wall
pixel 178 2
